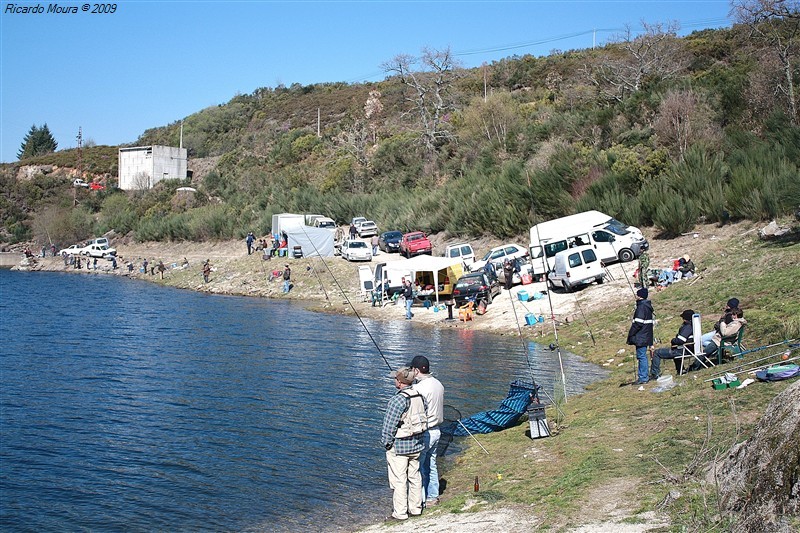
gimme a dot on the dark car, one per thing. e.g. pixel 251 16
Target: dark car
pixel 389 241
pixel 475 286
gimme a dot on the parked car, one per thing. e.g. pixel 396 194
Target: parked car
pixel 368 228
pixel 389 241
pixel 498 255
pixel 79 183
pixel 99 250
pixel 356 221
pixel 324 222
pixel 415 243
pixel 575 267
pixel 356 251
pixel 75 249
pixel 463 250
pixel 477 286
pixel 96 186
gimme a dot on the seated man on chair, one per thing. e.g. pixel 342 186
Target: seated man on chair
pixel 681 346
pixel 729 328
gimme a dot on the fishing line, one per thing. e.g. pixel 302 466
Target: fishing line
pixel 622 267
pixel 347 300
pixel 530 367
pixel 585 320
pixel 552 314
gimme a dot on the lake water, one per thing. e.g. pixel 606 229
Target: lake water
pixel 130 407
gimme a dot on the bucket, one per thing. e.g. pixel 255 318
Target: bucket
pixel 527 279
pixel 523 296
pixel 538 421
pixel 530 319
pixel 540 319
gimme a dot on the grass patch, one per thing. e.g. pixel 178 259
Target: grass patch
pixel 617 442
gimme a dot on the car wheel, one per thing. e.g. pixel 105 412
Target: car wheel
pixel 567 287
pixel 626 255
pixel 600 280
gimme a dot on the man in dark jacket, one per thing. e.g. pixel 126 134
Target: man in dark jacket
pixel 641 333
pixel 684 338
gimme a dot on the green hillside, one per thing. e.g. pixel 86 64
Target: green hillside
pixel 654 130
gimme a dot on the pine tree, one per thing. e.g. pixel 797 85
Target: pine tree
pixel 38 141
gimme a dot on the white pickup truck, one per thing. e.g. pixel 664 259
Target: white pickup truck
pixel 99 250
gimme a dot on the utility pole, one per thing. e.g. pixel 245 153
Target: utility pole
pixel 319 135
pixel 484 82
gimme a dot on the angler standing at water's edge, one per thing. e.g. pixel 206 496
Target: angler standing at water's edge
pixel 402 437
pixel 641 333
pixel 433 392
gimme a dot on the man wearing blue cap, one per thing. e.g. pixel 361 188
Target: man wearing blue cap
pixel 641 333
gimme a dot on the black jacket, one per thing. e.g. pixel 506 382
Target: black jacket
pixel 685 336
pixel 641 332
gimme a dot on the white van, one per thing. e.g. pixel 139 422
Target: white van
pixel 612 240
pixel 389 280
pixel 575 267
pixel 463 250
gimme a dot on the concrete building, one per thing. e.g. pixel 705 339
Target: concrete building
pixel 141 167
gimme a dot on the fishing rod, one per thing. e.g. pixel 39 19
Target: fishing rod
pixel 344 294
pixel 585 320
pixel 627 279
pixel 742 367
pixel 528 360
pixel 552 314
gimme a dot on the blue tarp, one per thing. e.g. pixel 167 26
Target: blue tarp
pixel 519 398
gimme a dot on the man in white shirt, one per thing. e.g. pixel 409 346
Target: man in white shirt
pixel 433 392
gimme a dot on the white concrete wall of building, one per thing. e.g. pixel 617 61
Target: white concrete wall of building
pixel 141 167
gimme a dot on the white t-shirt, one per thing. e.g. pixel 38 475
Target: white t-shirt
pixel 433 391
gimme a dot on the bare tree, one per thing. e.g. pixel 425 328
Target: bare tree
pixel 373 109
pixel 430 80
pixel 494 120
pixel 656 53
pixel 683 119
pixel 776 23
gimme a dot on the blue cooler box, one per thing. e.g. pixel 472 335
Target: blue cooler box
pixel 523 296
pixel 530 319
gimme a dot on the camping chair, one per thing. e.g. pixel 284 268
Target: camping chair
pixel 465 311
pixel 731 345
pixel 688 353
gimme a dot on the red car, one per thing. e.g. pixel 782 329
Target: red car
pixel 415 243
pixel 96 186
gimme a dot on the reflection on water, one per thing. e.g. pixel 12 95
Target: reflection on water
pixel 133 407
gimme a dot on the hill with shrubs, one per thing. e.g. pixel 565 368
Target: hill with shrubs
pixel 654 129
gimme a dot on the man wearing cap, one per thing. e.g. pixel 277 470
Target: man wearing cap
pixel 641 333
pixel 287 278
pixel 404 425
pixel 684 338
pixel 433 392
pixel 733 303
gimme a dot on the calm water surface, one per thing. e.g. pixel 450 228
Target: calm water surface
pixel 130 407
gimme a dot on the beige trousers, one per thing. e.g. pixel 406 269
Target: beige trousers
pixel 406 482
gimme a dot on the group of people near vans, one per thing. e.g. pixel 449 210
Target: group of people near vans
pixel 681 349
pixel 410 436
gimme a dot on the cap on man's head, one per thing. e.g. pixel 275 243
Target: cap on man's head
pixel 421 362
pixel 686 257
pixel 687 315
pixel 733 303
pixel 642 293
pixel 403 374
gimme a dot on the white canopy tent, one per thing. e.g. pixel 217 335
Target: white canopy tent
pixel 315 242
pixel 438 266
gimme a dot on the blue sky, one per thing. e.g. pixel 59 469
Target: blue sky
pixel 154 62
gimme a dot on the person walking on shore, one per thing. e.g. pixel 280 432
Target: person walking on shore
pixel 287 277
pixel 404 425
pixel 206 270
pixel 433 392
pixel 249 240
pixel 408 294
pixel 640 333
pixel 161 269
